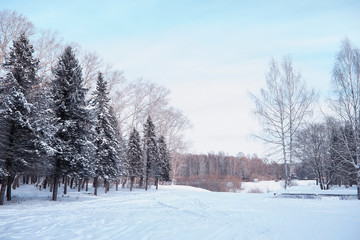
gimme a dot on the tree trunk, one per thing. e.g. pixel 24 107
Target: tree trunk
pixel 124 182
pixel 51 185
pixel 95 185
pixel 55 188
pixel 16 182
pixel 87 185
pixel 65 185
pixel 71 183
pixel 2 192
pixel 157 183
pixel 106 182
pixel 8 189
pixel 79 185
pixel 358 184
pixel 131 183
pixel 45 183
pixel 146 182
pixel 141 181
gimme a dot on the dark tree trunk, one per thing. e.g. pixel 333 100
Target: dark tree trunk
pixel 131 182
pixel 65 185
pixel 358 184
pixel 2 192
pixel 106 182
pixel 117 185
pixel 146 182
pixel 79 185
pixel 55 188
pixel 71 183
pixel 124 182
pixel 87 185
pixel 95 185
pixel 34 179
pixel 45 183
pixel 83 184
pixel 15 184
pixel 51 186
pixel 8 189
pixel 157 183
pixel 141 181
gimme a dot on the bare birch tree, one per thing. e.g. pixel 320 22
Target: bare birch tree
pixel 281 109
pixel 346 84
pixel 12 25
pixel 48 46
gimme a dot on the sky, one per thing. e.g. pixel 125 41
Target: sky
pixel 210 54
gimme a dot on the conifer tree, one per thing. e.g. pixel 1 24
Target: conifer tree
pixel 18 138
pixel 72 138
pixel 107 146
pixel 123 162
pixel 164 159
pixel 150 152
pixel 134 155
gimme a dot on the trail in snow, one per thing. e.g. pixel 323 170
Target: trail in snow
pixel 176 212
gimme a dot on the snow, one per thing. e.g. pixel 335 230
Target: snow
pixel 179 212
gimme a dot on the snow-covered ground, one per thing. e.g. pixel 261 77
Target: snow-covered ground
pixel 179 212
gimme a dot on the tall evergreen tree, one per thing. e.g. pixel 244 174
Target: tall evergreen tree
pixel 123 161
pixel 151 155
pixel 107 146
pixel 134 155
pixel 72 145
pixel 164 159
pixel 18 138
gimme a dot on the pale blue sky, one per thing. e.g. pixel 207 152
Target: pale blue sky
pixel 209 53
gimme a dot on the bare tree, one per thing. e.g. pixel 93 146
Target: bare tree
pixel 312 148
pixel 91 64
pixel 281 108
pixel 12 25
pixel 342 148
pixel 134 101
pixel 48 47
pixel 346 84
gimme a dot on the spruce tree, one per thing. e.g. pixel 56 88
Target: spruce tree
pixel 164 160
pixel 107 146
pixel 123 161
pixel 18 138
pixel 134 155
pixel 72 138
pixel 150 152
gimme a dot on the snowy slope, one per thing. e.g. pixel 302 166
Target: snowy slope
pixel 176 212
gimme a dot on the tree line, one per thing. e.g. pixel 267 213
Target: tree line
pixel 131 100
pixel 51 130
pixel 328 151
pixel 221 172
